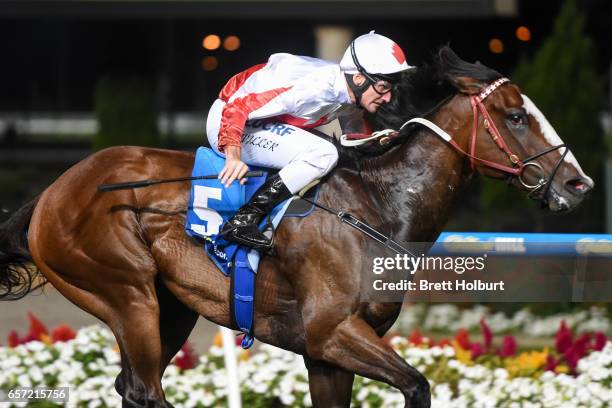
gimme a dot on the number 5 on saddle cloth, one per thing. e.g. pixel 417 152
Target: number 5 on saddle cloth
pixel 210 205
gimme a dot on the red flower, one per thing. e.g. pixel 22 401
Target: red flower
pixel 551 363
pixel 62 333
pixel 582 345
pixel 37 329
pixel 463 338
pixel 36 332
pixel 444 342
pixel 30 337
pixel 185 358
pixel 487 335
pixel 571 357
pixel 564 338
pixel 577 350
pixel 508 347
pixel 415 337
pixel 477 350
pixel 600 341
pixel 13 339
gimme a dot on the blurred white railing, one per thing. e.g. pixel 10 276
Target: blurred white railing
pixel 85 123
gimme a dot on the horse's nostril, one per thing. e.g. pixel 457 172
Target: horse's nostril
pixel 578 186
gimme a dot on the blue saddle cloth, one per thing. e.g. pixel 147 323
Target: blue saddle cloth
pixel 210 205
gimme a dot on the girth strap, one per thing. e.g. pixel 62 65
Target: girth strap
pixel 364 228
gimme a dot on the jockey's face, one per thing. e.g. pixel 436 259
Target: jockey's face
pixel 375 95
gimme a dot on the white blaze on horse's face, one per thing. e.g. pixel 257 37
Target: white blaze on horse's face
pixel 551 136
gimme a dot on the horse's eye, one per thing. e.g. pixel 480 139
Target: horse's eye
pixel 517 119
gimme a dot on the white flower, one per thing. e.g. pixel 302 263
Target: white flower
pixel 287 399
pixel 36 374
pixel 35 346
pixel 43 356
pixel 24 381
pixel 208 399
pixel 94 403
pixel 220 380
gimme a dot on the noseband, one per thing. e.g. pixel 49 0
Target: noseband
pixel 518 166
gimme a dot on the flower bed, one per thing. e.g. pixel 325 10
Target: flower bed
pixel 448 318
pixel 460 376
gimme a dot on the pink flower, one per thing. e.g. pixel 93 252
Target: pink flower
pixel 508 347
pixel 551 363
pixel 487 335
pixel 571 357
pixel 477 350
pixel 600 341
pixel 564 338
pixel 583 343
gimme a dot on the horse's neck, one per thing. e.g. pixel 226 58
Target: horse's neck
pixel 415 186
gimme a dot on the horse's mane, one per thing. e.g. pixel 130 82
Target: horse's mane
pixel 420 92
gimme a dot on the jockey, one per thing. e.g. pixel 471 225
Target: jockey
pixel 263 114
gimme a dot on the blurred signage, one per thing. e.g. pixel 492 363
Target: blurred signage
pixel 260 9
pixel 500 243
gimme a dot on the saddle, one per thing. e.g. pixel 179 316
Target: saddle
pixel 210 205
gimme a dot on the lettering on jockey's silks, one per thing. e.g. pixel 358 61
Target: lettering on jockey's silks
pixel 258 141
pixel 274 127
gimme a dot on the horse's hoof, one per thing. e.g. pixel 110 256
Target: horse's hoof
pixel 420 396
pixel 145 403
pixel 120 384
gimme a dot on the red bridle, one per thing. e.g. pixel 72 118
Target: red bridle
pixel 489 124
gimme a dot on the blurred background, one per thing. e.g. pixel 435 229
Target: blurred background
pixel 80 75
pixel 77 76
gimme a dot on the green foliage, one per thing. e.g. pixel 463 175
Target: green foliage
pixel 43 404
pixel 562 80
pixel 125 108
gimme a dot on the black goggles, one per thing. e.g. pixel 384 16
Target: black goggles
pixel 380 83
pixel 382 87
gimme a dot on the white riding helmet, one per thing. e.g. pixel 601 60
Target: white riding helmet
pixel 373 55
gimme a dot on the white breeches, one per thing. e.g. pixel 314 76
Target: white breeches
pixel 301 156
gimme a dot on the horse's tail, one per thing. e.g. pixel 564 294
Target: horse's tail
pixel 17 273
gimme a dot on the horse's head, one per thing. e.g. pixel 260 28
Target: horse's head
pixel 510 137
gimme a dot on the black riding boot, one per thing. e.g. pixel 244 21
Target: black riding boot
pixel 243 228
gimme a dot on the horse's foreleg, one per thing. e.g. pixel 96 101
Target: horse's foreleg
pixel 330 386
pixel 354 346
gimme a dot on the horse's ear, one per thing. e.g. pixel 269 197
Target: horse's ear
pixel 468 85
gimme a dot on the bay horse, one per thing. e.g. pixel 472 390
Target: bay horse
pixel 124 256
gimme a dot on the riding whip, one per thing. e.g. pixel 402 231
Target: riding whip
pixel 147 183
